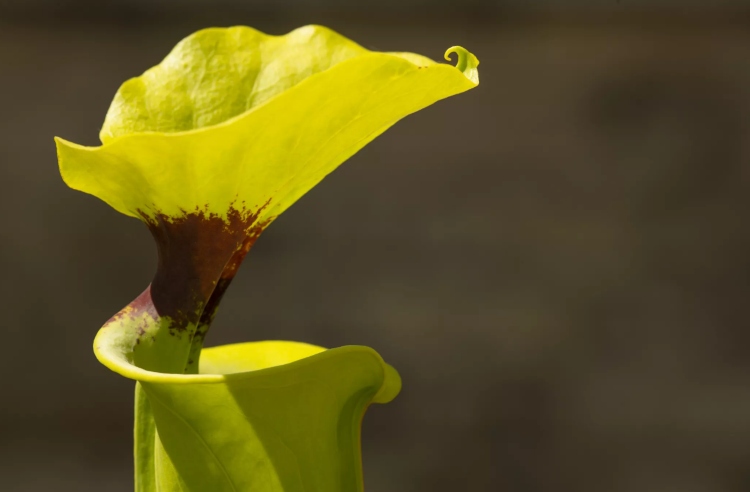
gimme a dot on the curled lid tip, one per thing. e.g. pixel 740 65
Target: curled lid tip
pixel 466 63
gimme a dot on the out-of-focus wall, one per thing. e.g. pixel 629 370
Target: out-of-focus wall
pixel 557 262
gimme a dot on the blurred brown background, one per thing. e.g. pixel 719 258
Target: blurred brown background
pixel 557 262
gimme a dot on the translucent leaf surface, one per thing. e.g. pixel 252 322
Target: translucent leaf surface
pixel 236 118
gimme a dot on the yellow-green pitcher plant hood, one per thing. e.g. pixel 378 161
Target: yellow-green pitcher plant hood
pixel 234 118
pixel 208 148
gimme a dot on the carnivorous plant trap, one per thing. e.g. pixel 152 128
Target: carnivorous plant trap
pixel 208 148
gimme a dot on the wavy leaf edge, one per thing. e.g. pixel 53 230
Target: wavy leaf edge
pixel 111 355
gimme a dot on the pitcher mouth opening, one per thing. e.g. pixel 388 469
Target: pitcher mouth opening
pixel 253 356
pixel 234 362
